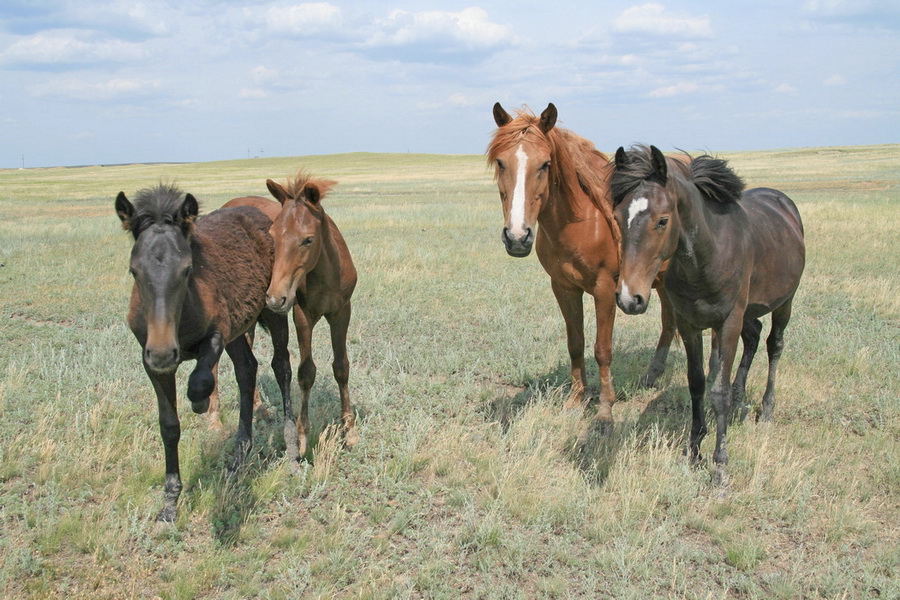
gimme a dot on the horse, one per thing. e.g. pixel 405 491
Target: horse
pixel 734 256
pixel 313 272
pixel 199 285
pixel 553 179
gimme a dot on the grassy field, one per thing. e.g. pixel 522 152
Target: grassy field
pixel 468 481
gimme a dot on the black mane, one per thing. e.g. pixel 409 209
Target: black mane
pixel 713 177
pixel 160 205
pixel 716 180
pixel 636 170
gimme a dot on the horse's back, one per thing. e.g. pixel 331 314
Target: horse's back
pixel 236 253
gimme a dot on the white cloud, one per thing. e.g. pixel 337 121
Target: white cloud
pixel 252 94
pixel 470 28
pixel 836 80
pixel 652 19
pixel 785 88
pixel 682 87
pixel 105 90
pixel 306 19
pixel 67 46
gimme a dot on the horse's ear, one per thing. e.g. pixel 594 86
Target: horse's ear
pixel 548 118
pixel 277 191
pixel 621 158
pixel 501 117
pixel 658 162
pixel 125 210
pixel 312 193
pixel 190 208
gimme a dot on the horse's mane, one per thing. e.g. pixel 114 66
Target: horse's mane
pixel 716 180
pixel 712 176
pixel 160 205
pixel 576 166
pixel 299 183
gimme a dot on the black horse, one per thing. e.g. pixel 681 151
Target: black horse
pixel 199 285
pixel 734 258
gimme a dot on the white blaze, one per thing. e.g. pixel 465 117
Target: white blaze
pixel 637 206
pixel 517 211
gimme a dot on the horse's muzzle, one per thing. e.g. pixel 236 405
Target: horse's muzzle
pixel 278 304
pixel 519 247
pixel 161 360
pixel 631 305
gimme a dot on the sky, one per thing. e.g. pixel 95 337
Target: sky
pixel 125 81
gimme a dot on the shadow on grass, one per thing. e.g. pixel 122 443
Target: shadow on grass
pixel 233 491
pixel 598 446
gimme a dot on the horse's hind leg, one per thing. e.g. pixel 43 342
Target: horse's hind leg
pixel 658 364
pixel 339 322
pixel 750 339
pixel 245 367
pixel 281 365
pixel 774 345
pixel 214 416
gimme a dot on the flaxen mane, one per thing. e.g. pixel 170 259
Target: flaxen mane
pixel 576 165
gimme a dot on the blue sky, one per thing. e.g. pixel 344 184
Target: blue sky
pixel 104 82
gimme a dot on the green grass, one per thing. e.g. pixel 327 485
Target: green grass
pixel 468 481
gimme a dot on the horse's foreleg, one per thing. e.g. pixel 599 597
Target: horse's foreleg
pixel 750 339
pixel 572 308
pixel 605 307
pixel 720 393
pixel 774 345
pixel 693 348
pixel 201 383
pixel 281 366
pixel 170 430
pixel 339 322
pixel 214 416
pixel 306 373
pixel 666 335
pixel 245 367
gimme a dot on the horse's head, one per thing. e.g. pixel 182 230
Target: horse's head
pixel 297 232
pixel 161 220
pixel 647 214
pixel 520 152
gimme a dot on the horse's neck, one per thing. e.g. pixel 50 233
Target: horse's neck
pixel 330 258
pixel 698 245
pixel 563 208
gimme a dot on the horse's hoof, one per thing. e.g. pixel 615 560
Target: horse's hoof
pixel 201 407
pixel 351 438
pixel 166 515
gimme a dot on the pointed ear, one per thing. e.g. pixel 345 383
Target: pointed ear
pixel 621 158
pixel 658 161
pixel 277 191
pixel 548 118
pixel 312 193
pixel 189 209
pixel 125 210
pixel 501 117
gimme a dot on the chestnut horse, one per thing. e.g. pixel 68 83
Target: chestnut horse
pixel 733 258
pixel 199 285
pixel 314 273
pixel 554 188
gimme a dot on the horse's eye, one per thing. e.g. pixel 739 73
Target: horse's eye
pixel 307 241
pixel 662 223
pixel 132 272
pixel 500 164
pixel 546 166
pixel 188 271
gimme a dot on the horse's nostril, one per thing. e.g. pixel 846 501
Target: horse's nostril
pixel 639 300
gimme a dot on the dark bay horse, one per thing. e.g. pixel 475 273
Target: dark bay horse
pixel 734 257
pixel 199 285
pixel 554 188
pixel 314 273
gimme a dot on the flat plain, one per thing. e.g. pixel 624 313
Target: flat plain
pixel 469 481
